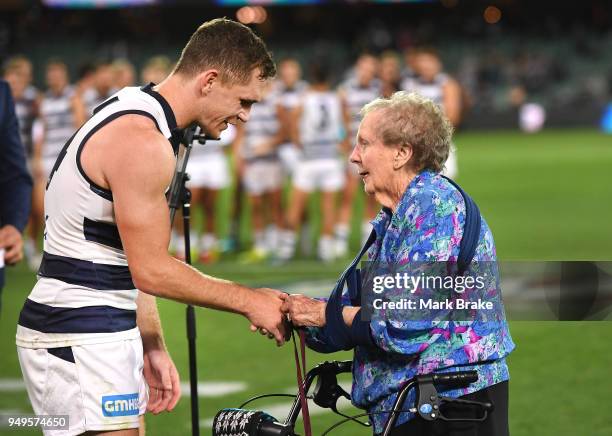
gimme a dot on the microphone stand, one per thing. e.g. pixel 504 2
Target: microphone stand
pixel 180 196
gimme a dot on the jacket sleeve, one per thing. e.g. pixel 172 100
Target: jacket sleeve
pixel 15 181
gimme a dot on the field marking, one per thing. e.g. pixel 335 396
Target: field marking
pixel 215 388
pixel 12 385
pixel 311 288
pixel 209 389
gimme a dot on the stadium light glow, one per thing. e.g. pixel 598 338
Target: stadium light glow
pixel 492 14
pixel 251 15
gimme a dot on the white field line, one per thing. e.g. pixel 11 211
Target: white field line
pixel 205 389
pixel 12 385
pixel 214 389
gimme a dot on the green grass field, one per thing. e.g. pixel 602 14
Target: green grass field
pixel 545 196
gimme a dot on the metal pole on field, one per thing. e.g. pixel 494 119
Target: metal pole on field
pixel 180 196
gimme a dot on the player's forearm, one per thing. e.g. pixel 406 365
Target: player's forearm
pixel 149 324
pixel 173 279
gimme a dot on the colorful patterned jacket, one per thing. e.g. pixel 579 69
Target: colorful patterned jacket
pixel 426 227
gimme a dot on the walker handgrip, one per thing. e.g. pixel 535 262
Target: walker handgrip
pixel 455 379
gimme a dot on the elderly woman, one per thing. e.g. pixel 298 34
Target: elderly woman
pixel 402 144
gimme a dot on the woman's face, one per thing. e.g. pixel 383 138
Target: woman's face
pixel 374 159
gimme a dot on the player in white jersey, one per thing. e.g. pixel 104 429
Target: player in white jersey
pixel 356 92
pixel 89 338
pixel 289 88
pixel 61 113
pixel 318 129
pixel 209 173
pixel 124 73
pixel 155 69
pixel 256 152
pixel 102 87
pixel 18 74
pixel 390 73
pixel 431 82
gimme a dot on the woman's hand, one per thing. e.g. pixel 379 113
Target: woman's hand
pixel 304 311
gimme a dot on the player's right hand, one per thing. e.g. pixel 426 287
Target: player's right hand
pixel 265 313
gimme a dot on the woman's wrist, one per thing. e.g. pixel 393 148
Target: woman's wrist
pixel 348 314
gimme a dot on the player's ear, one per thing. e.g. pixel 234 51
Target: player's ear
pixel 206 80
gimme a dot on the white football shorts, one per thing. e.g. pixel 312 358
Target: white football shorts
pixel 327 175
pixel 208 171
pixel 262 176
pixel 100 387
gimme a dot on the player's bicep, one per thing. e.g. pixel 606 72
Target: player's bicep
pixel 138 182
pixel 452 101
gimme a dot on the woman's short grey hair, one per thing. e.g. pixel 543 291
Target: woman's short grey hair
pixel 413 120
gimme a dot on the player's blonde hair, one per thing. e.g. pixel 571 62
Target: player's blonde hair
pixel 231 47
pixel 410 119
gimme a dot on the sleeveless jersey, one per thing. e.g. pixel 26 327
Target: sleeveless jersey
pixel 263 125
pixel 84 293
pixel 433 90
pixel 212 147
pixel 320 125
pixel 25 109
pixel 356 97
pixel 289 98
pixel 56 112
pixel 92 99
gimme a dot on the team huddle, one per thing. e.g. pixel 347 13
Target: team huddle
pixel 298 136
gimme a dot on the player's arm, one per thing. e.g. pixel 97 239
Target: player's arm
pixel 277 139
pixel 237 145
pixel 452 101
pixel 346 123
pixel 281 133
pixel 159 370
pixel 284 119
pixel 79 114
pixel 39 133
pixel 138 168
pixel 294 125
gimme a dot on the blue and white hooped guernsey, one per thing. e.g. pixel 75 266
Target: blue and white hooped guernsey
pixel 321 125
pixel 84 293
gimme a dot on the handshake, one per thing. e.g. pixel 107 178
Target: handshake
pixel 273 313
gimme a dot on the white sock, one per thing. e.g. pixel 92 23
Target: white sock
pixel 286 246
pixel 341 233
pixel 177 243
pixel 272 236
pixel 366 229
pixel 326 248
pixel 259 244
pixel 208 242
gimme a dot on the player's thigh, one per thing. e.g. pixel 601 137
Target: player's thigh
pixel 331 177
pixel 253 179
pixel 99 386
pixel 305 176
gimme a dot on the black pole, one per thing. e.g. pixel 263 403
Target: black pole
pixel 179 195
pixel 191 322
